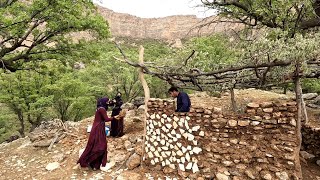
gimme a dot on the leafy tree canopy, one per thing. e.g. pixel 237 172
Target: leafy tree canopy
pixel 40 30
pixel 293 15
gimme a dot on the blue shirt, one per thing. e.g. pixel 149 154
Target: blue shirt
pixel 183 102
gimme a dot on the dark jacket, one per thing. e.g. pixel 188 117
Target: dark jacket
pixel 117 105
pixel 183 102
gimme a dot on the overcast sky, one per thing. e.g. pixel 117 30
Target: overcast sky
pixel 156 8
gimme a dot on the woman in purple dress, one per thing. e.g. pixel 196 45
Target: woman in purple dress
pixel 95 153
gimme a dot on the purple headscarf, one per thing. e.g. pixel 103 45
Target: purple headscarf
pixel 102 102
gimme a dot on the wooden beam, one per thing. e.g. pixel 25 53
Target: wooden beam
pixel 146 99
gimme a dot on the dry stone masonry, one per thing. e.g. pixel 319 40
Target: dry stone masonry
pixel 260 144
pixel 311 140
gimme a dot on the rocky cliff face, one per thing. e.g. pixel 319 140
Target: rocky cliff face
pixel 167 28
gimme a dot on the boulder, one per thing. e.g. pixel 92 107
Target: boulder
pixel 177 43
pixel 316 101
pixel 309 96
pixel 128 145
pixel 52 166
pixel 133 161
pixel 138 101
pixel 128 106
pixel 108 166
pixel 141 109
pixel 313 106
pixel 306 155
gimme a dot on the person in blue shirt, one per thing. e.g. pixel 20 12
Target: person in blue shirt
pixel 183 100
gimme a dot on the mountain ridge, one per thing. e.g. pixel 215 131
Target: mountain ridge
pixel 164 28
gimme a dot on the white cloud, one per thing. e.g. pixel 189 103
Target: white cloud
pixel 156 8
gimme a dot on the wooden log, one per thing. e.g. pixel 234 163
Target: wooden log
pixel 53 141
pixel 298 91
pixel 146 99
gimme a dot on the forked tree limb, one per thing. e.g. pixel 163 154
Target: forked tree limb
pixel 53 141
pixel 243 75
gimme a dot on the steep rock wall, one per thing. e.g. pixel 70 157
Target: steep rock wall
pixel 167 28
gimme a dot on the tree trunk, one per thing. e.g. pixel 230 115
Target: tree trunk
pixel 285 88
pixel 146 99
pixel 304 111
pixel 35 124
pixel 299 117
pixel 233 100
pixel 21 120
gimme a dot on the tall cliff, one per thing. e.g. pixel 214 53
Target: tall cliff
pixel 167 28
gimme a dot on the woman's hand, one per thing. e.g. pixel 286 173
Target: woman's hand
pixel 120 116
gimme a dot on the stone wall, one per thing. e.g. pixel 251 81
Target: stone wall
pixel 311 140
pixel 167 28
pixel 207 143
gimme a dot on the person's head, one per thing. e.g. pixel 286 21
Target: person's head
pixel 173 91
pixel 103 102
pixel 118 94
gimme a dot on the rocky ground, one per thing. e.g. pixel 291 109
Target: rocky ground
pixel 20 159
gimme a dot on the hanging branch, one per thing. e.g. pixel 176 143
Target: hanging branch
pixel 199 80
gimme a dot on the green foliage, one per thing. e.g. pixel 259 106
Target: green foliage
pixel 311 85
pixel 33 32
pixel 23 93
pixel 213 52
pixel 40 30
pixel 107 75
pixel 291 16
pixel 70 98
pixel 7 123
pixel 156 50
pixel 158 88
pixel 281 49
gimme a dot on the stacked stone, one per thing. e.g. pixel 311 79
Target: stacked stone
pixel 260 144
pixel 311 140
pixel 170 141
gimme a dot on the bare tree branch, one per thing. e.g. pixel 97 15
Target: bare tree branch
pixel 242 76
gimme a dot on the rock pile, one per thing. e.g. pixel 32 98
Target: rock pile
pixel 312 100
pixel 48 133
pixel 311 140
